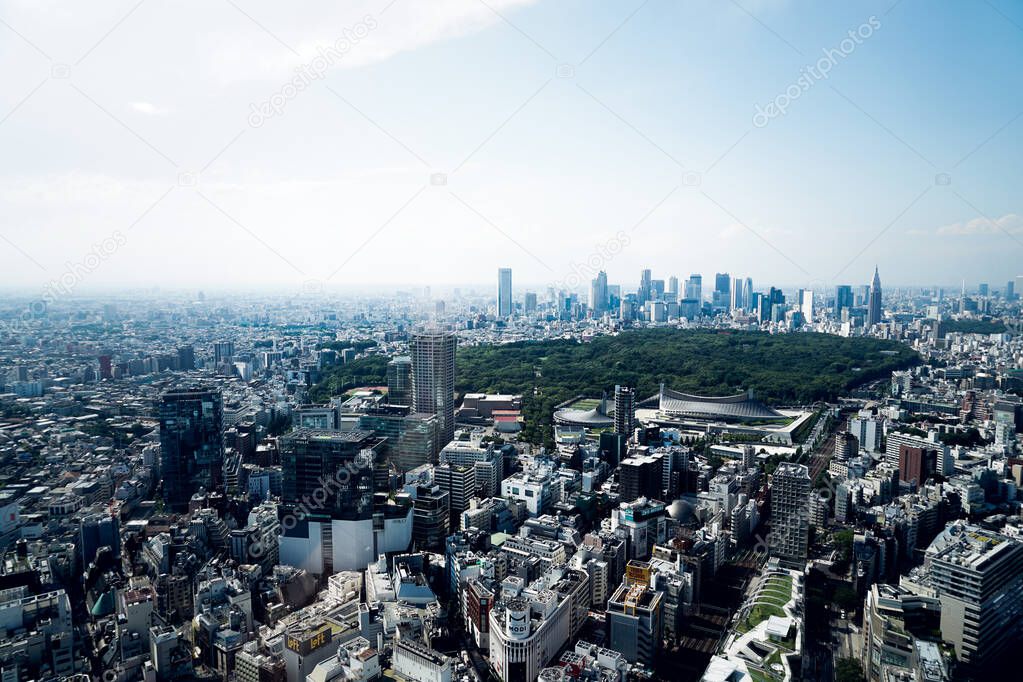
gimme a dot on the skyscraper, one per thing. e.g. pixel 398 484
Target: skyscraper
pixel 504 292
pixel 874 311
pixel 625 410
pixel 843 298
pixel 598 294
pixel 790 512
pixel 736 302
pixel 978 576
pixel 399 380
pixel 694 288
pixel 722 290
pixel 644 286
pixel 433 378
pixel 191 444
pixel 806 303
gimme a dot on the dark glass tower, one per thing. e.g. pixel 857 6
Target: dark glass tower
pixel 191 444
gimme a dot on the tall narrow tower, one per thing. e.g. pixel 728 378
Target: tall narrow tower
pixel 433 379
pixel 874 313
pixel 504 292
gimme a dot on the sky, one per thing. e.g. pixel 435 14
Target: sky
pixel 242 143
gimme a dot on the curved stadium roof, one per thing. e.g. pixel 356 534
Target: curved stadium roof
pixel 591 419
pixel 741 406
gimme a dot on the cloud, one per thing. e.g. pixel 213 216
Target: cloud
pixel 148 108
pixel 369 36
pixel 1010 223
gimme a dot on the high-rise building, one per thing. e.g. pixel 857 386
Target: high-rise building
pixel 186 358
pixel 191 444
pixel 399 380
pixel 431 514
pixel 645 286
pixel 843 298
pixel 635 616
pixel 641 476
pixel 916 465
pixel 673 288
pixel 530 302
pixel 806 304
pixel 335 511
pixel 694 288
pixel 625 410
pixel 1010 290
pixel 504 292
pixel 874 305
pixel 978 576
pixel 736 301
pixel 722 290
pixel 598 294
pixel 790 512
pixel 223 352
pixel 433 379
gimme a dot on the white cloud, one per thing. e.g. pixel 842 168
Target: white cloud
pixel 249 53
pixel 1010 223
pixel 148 108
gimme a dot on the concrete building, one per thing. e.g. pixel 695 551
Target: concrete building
pixel 790 512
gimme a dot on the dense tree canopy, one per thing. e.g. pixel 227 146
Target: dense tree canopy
pixel 781 368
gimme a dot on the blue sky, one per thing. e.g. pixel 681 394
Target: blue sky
pixel 452 137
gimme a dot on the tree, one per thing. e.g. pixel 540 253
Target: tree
pixel 849 670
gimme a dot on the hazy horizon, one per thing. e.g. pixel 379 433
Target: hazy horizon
pixel 245 146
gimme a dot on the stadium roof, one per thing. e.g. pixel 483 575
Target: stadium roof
pixel 741 406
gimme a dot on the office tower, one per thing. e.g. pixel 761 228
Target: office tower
pixel 598 294
pixel 641 476
pixel 673 288
pixel 806 304
pixel 790 512
pixel 983 289
pixel 916 465
pixel 635 616
pixel 530 303
pixel 504 292
pixel 433 379
pixel 978 576
pixel 335 510
pixel 657 289
pixel 625 410
pixel 874 304
pixel 431 517
pixel 186 358
pixel 223 352
pixel 96 532
pixel 1010 290
pixel 694 288
pixel 459 482
pixel 399 380
pixel 191 444
pixel 893 619
pixel 843 298
pixel 312 457
pixel 644 286
pixel 735 301
pixel 847 446
pixel 747 293
pixel 722 290
pixel 106 368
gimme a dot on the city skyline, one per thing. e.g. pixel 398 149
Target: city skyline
pixel 179 161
